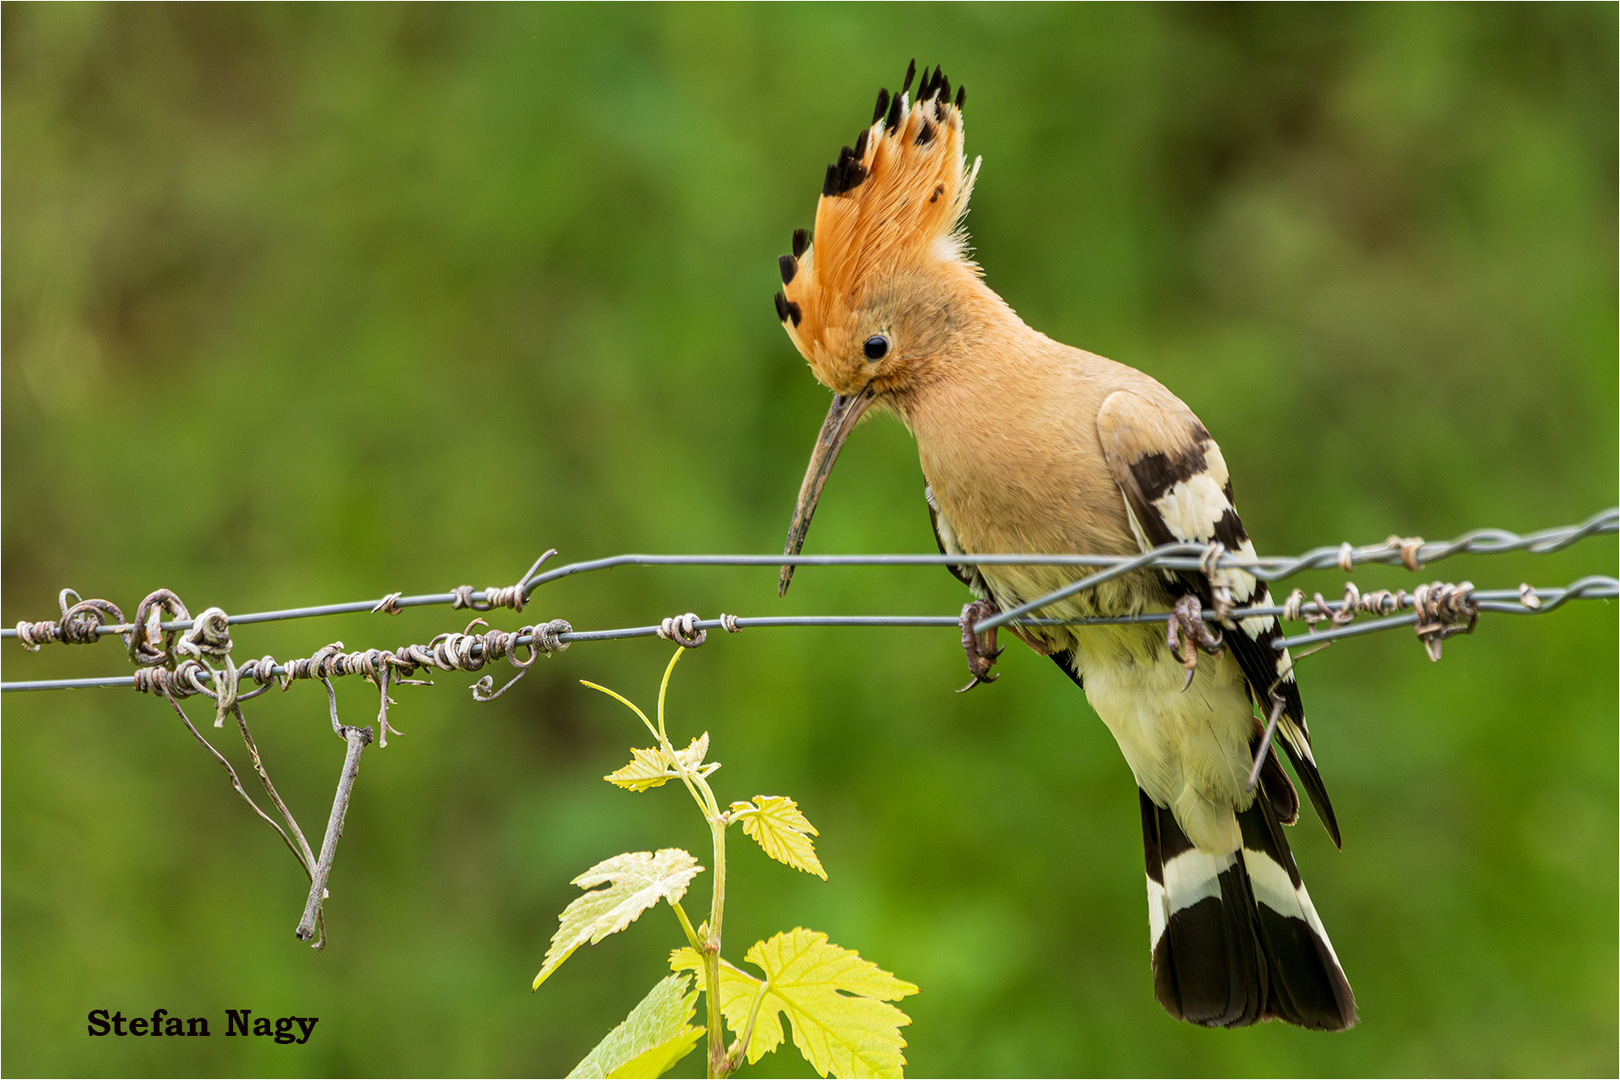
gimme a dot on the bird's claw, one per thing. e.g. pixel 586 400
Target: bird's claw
pixel 1187 633
pixel 980 648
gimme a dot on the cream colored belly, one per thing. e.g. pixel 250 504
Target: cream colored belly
pixel 1189 751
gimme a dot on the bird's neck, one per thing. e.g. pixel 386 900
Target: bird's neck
pixel 991 351
pixel 1005 425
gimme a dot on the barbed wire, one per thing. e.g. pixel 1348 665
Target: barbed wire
pixel 178 657
pixel 1525 600
pixel 1413 552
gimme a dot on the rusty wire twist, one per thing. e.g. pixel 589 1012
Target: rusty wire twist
pixel 80 623
pixel 149 644
pixel 1220 590
pixel 509 596
pixel 1444 609
pixel 1408 546
pixel 683 630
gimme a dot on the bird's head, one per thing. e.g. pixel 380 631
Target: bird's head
pixel 867 301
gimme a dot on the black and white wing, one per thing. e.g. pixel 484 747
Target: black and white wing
pixel 1235 936
pixel 1177 490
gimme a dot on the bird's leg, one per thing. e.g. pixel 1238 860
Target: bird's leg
pixel 980 648
pixel 1187 633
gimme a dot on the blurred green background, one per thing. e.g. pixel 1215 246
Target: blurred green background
pixel 313 303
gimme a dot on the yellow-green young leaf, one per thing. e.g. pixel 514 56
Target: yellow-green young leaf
pixel 635 883
pixel 660 1059
pixel 738 989
pixel 652 768
pixel 775 823
pixel 647 769
pixel 653 1037
pixel 692 757
pixel 837 1003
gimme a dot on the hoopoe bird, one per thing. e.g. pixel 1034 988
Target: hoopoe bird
pixel 1031 446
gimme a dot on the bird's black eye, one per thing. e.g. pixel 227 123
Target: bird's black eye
pixel 877 347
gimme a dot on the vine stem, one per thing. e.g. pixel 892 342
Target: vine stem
pixel 711 946
pixel 735 1059
pixel 709 934
pixel 686 925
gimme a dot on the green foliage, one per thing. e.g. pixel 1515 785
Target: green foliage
pixel 653 768
pixel 309 303
pixel 651 1039
pixel 635 883
pixel 837 1002
pixel 775 823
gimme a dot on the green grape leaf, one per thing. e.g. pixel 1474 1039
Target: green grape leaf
pixel 738 989
pixel 647 769
pixel 837 1002
pixel 660 1059
pixel 653 768
pixel 652 1038
pixel 635 882
pixel 775 823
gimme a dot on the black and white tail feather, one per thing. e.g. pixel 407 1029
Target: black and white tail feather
pixel 1235 937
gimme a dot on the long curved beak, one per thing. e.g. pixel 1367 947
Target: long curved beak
pixel 834 430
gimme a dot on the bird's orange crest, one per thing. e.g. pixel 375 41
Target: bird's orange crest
pixel 891 204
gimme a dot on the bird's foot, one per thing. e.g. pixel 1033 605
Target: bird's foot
pixel 1187 633
pixel 980 648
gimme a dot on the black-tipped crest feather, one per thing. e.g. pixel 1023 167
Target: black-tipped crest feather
pixel 846 173
pixel 892 121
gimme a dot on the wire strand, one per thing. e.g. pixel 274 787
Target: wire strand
pixel 1412 552
pixel 1497 601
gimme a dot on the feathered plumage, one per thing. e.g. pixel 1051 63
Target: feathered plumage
pixel 891 203
pixel 1029 445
